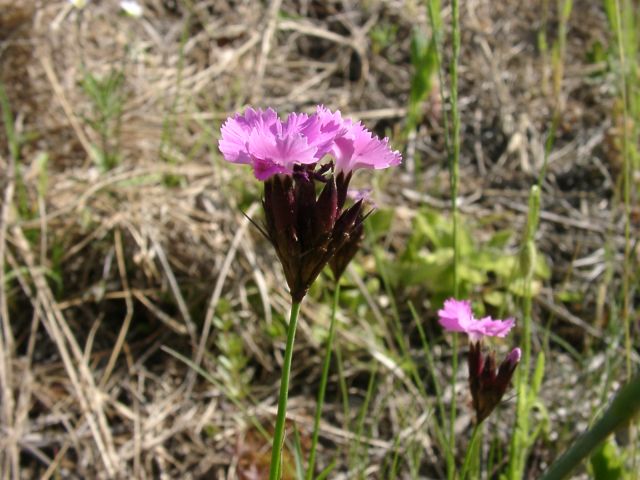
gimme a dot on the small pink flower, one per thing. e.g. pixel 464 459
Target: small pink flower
pixel 456 316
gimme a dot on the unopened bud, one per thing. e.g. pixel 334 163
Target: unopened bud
pixel 342 185
pixel 348 250
pixel 528 256
pixel 326 209
pixel 534 211
pixel 488 387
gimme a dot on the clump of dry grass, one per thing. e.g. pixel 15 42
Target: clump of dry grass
pixel 100 269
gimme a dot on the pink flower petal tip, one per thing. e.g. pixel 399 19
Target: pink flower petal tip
pixel 456 316
pixel 514 357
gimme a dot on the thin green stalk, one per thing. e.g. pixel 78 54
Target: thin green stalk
pixel 298 454
pixel 439 421
pixel 278 436
pixel 393 469
pixel 455 167
pixel 558 74
pixel 527 266
pixel 452 144
pixel 396 325
pixel 626 192
pixel 361 420
pixel 344 391
pixel 472 451
pixel 430 363
pixel 435 20
pixel 323 382
pixel 168 122
pixel 521 435
pixel 477 458
pixel 622 410
pixel 451 468
pixel 455 157
pixel 494 456
pixel 7 117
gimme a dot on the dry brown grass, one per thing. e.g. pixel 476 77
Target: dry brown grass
pixel 101 269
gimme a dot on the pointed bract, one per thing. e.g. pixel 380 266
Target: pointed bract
pixel 348 250
pixel 326 209
pixel 342 184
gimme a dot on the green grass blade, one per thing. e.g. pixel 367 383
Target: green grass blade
pixel 622 409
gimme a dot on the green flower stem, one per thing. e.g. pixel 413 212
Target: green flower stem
pixel 455 168
pixel 278 436
pixel 323 383
pixel 521 433
pixel 472 450
pixel 622 410
pixel 450 457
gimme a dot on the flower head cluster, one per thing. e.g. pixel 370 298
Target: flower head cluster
pixel 271 146
pixel 488 387
pixel 308 230
pixel 487 384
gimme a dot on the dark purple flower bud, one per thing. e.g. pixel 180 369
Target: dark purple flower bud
pixel 326 210
pixel 487 387
pixel 508 366
pixel 342 184
pixel 307 231
pixel 305 194
pixel 282 210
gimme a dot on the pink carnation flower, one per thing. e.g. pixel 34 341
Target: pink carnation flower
pixel 456 316
pixel 271 146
